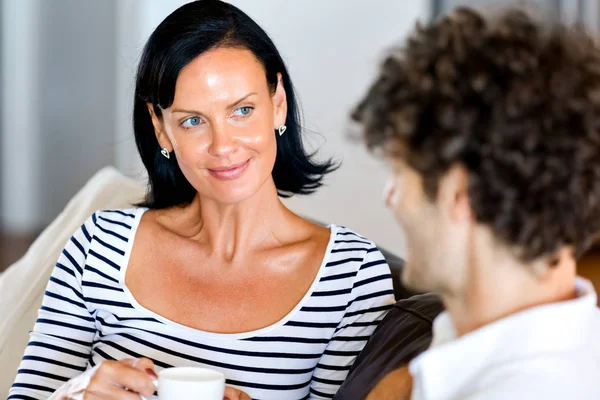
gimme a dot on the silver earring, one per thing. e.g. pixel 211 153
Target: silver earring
pixel 165 153
pixel 281 129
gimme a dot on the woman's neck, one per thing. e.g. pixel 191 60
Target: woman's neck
pixel 232 230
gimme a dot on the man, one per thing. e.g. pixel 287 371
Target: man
pixel 492 129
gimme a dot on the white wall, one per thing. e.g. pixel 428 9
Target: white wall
pixel 58 90
pixel 332 49
pixel 19 144
pixel 76 97
pixel 584 11
pixel 136 19
pixel 67 87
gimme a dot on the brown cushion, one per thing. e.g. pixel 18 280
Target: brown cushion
pixel 403 334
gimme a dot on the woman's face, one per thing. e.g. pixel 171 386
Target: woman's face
pixel 222 124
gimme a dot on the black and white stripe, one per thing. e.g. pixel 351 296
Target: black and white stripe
pixel 88 316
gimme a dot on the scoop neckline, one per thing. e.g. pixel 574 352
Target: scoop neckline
pixel 213 335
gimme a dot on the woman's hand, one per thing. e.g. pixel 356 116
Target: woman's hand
pixel 125 379
pixel 234 394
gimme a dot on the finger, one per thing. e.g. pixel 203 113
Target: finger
pixel 143 364
pixel 244 396
pixel 110 393
pixel 137 362
pixel 120 374
pixel 130 362
pixel 231 394
pixel 146 365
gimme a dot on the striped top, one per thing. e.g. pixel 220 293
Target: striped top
pixel 88 315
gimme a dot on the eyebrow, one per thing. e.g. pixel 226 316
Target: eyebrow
pixel 230 106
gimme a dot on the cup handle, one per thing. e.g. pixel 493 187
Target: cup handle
pixel 155 383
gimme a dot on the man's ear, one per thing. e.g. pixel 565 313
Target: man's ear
pixel 161 136
pixel 559 261
pixel 279 103
pixel 453 193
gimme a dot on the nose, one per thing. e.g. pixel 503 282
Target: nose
pixel 222 142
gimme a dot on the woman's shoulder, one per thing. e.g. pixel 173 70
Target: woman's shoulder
pixel 120 215
pixel 349 240
pixel 355 266
pixel 113 223
pixel 105 240
pixel 346 246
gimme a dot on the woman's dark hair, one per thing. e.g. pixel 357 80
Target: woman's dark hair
pixel 517 104
pixel 189 31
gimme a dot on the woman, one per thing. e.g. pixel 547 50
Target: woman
pixel 212 270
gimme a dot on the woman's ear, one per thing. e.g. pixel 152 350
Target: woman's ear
pixel 279 103
pixel 161 136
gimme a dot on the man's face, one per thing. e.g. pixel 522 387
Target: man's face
pixel 437 243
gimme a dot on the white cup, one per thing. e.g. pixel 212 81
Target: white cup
pixel 190 383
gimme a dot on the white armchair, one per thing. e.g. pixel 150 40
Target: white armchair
pixel 22 285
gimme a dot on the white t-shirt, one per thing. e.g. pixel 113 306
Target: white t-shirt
pixel 546 352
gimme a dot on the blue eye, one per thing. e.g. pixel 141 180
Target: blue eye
pixel 243 111
pixel 191 122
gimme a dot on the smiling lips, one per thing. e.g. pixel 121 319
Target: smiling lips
pixel 229 172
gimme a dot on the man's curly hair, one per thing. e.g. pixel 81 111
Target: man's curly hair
pixel 514 101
